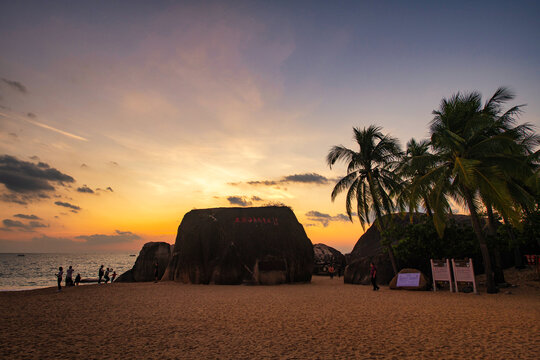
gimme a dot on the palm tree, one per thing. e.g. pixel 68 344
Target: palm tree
pixel 471 164
pixel 370 179
pixel 416 163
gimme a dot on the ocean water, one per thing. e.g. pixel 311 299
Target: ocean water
pixel 33 271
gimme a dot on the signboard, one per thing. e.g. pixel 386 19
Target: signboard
pixel 463 272
pixel 440 271
pixel 408 279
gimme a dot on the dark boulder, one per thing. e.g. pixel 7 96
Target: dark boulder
pixel 264 245
pixel 144 268
pixel 357 270
pixel 325 256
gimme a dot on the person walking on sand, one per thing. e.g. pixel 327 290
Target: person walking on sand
pixel 331 271
pixel 78 279
pixel 113 276
pixel 156 271
pixel 59 277
pixel 373 275
pixel 69 276
pixel 100 274
pixel 106 277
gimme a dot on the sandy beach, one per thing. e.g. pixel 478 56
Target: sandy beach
pixel 322 320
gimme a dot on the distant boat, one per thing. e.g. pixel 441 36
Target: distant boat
pixel 20 255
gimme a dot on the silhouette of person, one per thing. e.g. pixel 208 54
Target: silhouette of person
pixel 78 279
pixel 59 277
pixel 373 275
pixel 100 274
pixel 156 271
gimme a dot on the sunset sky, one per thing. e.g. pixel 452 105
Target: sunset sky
pixel 117 118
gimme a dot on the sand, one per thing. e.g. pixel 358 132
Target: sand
pixel 322 320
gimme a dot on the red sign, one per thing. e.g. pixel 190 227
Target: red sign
pixel 260 220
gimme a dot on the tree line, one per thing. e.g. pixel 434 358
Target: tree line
pixel 477 158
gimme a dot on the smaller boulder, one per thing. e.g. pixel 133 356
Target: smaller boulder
pixel 144 267
pixel 423 284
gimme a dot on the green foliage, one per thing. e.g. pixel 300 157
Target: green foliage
pixel 417 243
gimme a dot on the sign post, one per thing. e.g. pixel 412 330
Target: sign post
pixel 464 272
pixel 440 271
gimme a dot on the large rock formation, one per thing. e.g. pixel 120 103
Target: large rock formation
pixel 143 270
pixel 325 256
pixel 265 245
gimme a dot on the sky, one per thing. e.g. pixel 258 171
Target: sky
pixel 117 118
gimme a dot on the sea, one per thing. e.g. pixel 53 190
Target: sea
pixel 26 271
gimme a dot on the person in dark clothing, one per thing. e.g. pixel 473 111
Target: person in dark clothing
pixel 373 276
pixel 106 276
pixel 156 271
pixel 78 279
pixel 100 274
pixel 59 277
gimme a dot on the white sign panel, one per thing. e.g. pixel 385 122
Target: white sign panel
pixel 441 273
pixel 406 280
pixel 463 273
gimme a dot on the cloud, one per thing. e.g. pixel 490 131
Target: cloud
pixel 27 217
pixel 19 225
pixel 256 198
pixel 109 189
pixel 27 181
pixel 35 158
pixel 73 208
pixel 15 85
pixel 307 178
pixel 264 183
pixel 119 237
pixel 325 219
pixel 84 166
pixel 113 163
pixel 239 200
pixel 31 115
pixel 85 189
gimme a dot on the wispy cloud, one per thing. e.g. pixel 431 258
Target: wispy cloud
pixel 73 208
pixel 85 189
pixel 19 225
pixel 325 219
pixel 44 126
pixel 15 85
pixel 306 178
pixel 119 237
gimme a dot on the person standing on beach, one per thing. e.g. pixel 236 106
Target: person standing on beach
pixel 106 277
pixel 331 271
pixel 156 271
pixel 113 275
pixel 69 276
pixel 373 275
pixel 100 274
pixel 59 277
pixel 78 279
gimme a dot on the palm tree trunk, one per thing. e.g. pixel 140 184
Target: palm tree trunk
pixel 428 208
pixel 490 281
pixel 518 257
pixel 497 268
pixel 378 214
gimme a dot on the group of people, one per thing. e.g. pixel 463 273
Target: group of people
pixel 103 275
pixel 69 277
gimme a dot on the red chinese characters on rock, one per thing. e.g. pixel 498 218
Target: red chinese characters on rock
pixel 255 220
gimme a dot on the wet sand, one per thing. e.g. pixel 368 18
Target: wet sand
pixel 322 320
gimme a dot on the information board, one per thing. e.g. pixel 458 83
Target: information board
pixel 440 271
pixel 408 280
pixel 464 272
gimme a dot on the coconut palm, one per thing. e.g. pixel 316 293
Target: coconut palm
pixel 472 162
pixel 370 179
pixel 416 163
